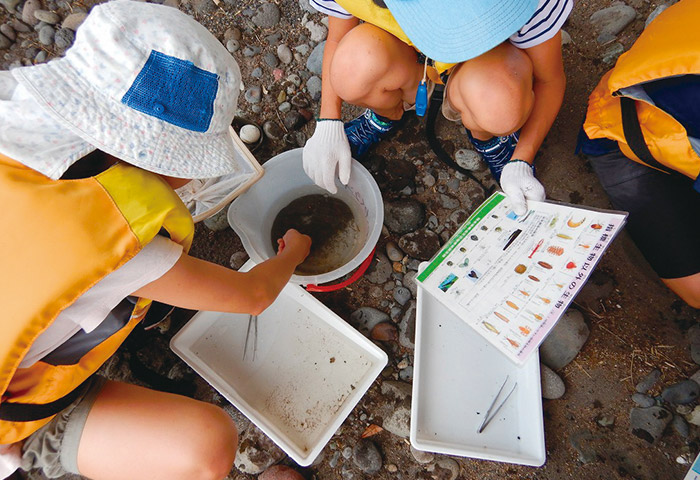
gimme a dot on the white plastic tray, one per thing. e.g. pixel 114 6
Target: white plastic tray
pixel 311 368
pixel 457 374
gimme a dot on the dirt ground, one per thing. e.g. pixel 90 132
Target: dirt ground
pixel 635 323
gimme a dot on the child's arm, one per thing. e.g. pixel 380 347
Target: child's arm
pixel 200 285
pixel 549 85
pixel 327 155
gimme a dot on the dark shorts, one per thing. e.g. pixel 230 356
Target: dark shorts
pixel 664 212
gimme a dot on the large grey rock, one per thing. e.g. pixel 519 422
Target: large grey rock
pixel 399 422
pixel 649 423
pixel 317 32
pixel 610 21
pixel 314 63
pixel 217 222
pixel 444 469
pixel 306 6
pixel 313 86
pixel 366 456
pixel 448 201
pixel 9 32
pixel 74 20
pixel 613 51
pixel 284 53
pixel 469 159
pixel 393 252
pixel 379 270
pixel 280 472
pixel 47 34
pixel 256 452
pixel 565 37
pixel 396 389
pixel 681 393
pixel 643 400
pixel 552 385
pixel 10 5
pixel 203 7
pixel 232 33
pixel 694 416
pixel 647 382
pixel 404 215
pixel 402 295
pixel 565 340
pixel 20 26
pixel 680 426
pixel 47 16
pixel 420 456
pixel 407 326
pixel 253 94
pixel 238 259
pixel 272 130
pixel 409 281
pixel 64 38
pixel 365 318
pixel 30 6
pixel 657 11
pixel 421 244
pixel 267 15
pixel 4 42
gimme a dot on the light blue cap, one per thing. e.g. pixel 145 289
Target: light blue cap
pixel 454 31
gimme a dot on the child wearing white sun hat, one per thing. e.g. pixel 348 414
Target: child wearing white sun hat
pixel 92 146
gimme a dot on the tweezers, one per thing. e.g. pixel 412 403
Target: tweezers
pixel 252 325
pixel 490 417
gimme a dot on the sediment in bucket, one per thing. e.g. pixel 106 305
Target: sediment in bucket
pixel 252 214
pixel 332 226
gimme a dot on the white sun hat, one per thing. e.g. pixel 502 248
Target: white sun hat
pixel 149 85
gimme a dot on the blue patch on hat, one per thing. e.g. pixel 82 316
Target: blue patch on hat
pixel 175 91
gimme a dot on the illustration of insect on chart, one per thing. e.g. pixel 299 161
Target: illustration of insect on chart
pixel 511 277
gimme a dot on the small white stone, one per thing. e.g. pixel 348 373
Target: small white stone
pixel 694 416
pixel 250 133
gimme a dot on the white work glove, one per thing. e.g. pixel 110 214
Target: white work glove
pixel 327 149
pixel 520 184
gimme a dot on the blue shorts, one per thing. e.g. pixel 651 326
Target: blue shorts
pixel 664 212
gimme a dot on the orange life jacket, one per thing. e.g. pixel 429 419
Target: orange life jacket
pixel 60 237
pixel 668 47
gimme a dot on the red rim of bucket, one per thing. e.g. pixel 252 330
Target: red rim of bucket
pixel 355 276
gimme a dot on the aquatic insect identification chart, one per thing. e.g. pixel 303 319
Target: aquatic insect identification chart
pixel 511 277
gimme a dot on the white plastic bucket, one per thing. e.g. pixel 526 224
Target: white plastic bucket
pixel 251 215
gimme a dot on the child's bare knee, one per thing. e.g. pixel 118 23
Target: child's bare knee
pixel 213 445
pixel 360 63
pixel 499 107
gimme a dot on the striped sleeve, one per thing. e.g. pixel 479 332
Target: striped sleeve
pixel 544 24
pixel 329 7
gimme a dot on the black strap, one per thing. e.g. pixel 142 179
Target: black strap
pixel 436 145
pixel 634 135
pixel 30 412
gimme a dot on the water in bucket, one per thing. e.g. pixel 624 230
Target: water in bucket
pixel 329 222
pixel 252 214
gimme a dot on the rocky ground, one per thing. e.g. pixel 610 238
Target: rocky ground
pixel 624 407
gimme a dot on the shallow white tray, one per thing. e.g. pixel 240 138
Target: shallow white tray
pixel 311 368
pixel 457 374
